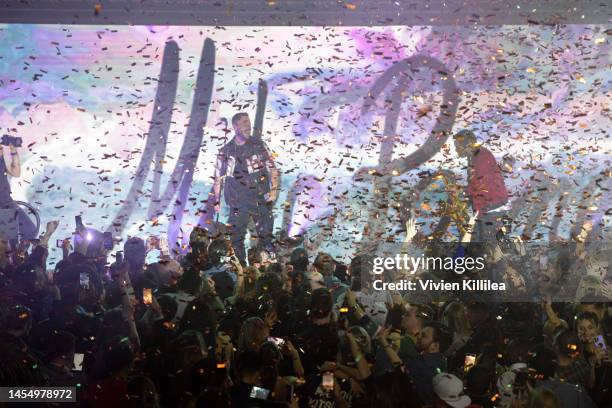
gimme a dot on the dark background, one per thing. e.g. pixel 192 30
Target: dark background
pixel 304 12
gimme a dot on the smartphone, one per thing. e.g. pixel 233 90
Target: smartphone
pixel 600 342
pixel 224 259
pixel 543 261
pixel 107 239
pixel 470 360
pixel 328 381
pixel 163 246
pixel 147 296
pixel 78 361
pixel 259 393
pixel 79 223
pixel 59 243
pixel 84 280
pixel 277 340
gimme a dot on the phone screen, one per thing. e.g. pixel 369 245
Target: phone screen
pixel 328 380
pixel 600 342
pixel 84 280
pixel 108 240
pixel 469 362
pixel 59 243
pixel 259 393
pixel 78 361
pixel 147 296
pixel 277 340
pixel 543 261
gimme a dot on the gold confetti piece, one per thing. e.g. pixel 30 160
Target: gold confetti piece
pixel 581 80
pixel 350 6
pixel 600 40
pixel 531 70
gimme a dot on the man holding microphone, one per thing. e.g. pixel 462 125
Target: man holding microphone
pixel 246 174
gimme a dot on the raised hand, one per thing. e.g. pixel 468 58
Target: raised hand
pixel 51 227
pixel 469 229
pixel 411 229
pixel 472 220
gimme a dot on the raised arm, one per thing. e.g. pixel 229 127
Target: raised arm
pixel 239 286
pixel 362 364
pixel 467 237
pixel 274 176
pixel 411 231
pixel 51 227
pixel 127 303
pixel 13 167
pixel 391 353
pixel 217 179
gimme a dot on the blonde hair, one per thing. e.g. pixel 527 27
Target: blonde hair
pixel 454 317
pixel 253 334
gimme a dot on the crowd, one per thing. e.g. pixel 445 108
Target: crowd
pixel 298 329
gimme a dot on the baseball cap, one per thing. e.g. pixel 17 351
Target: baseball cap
pixel 449 389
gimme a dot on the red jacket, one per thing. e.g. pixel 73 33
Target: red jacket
pixel 486 188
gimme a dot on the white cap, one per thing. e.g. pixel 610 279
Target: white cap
pixel 449 389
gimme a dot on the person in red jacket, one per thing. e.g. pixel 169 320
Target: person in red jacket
pixel 486 189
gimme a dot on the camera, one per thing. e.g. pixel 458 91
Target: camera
pixel 8 140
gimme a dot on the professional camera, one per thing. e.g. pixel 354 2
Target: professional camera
pixel 8 140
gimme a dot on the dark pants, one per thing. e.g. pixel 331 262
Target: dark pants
pixel 487 225
pixel 239 217
pixel 14 221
